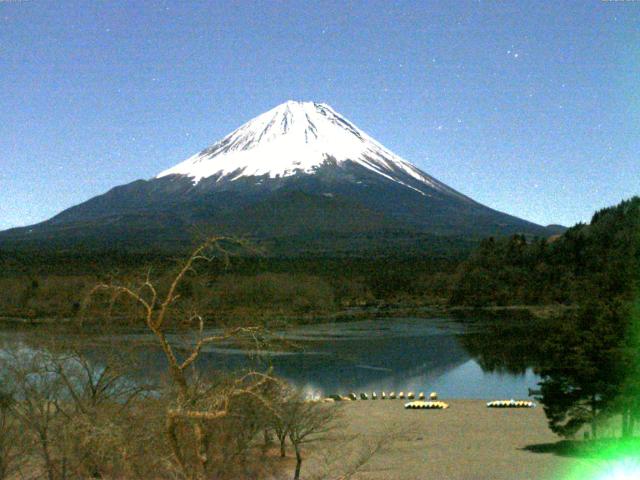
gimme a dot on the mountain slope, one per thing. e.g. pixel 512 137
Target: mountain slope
pixel 298 170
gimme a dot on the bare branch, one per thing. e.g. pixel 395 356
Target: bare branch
pixel 201 342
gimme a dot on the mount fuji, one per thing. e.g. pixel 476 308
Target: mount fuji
pixel 298 138
pixel 300 172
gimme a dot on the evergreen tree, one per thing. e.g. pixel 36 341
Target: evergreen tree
pixel 581 378
pixel 593 367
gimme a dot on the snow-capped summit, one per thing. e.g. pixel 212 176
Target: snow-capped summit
pixel 297 137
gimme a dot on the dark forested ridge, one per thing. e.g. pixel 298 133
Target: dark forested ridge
pixel 595 260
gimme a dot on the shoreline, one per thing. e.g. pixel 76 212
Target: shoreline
pixel 462 313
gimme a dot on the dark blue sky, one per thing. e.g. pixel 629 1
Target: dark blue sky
pixel 529 107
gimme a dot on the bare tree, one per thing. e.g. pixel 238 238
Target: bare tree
pixel 280 421
pixel 302 422
pixel 337 456
pixel 193 406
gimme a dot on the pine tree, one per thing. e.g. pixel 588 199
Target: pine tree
pixel 582 378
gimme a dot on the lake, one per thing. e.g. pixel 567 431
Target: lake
pixel 420 355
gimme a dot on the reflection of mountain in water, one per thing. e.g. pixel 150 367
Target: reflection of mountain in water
pixel 382 355
pixel 378 363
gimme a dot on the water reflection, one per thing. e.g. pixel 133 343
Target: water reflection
pixel 411 354
pixel 509 346
pixel 381 355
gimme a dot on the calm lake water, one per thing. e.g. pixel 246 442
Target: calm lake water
pixel 378 355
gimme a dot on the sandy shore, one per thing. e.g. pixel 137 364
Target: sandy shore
pixel 468 441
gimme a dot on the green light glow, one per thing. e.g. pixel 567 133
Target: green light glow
pixel 624 470
pixel 611 459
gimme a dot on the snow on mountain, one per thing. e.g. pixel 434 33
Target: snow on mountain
pixel 298 137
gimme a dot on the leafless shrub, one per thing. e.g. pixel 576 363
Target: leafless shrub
pixel 309 420
pixel 74 414
pixel 97 408
pixel 37 394
pixel 11 438
pixel 343 457
pixel 301 422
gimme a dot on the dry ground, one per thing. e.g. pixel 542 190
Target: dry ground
pixel 465 442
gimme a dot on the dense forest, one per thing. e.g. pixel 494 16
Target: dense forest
pixel 595 260
pixel 38 284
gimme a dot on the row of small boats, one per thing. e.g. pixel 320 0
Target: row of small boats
pixel 384 396
pixel 494 404
pixel 422 402
pixel 511 404
pixel 432 403
pixel 422 405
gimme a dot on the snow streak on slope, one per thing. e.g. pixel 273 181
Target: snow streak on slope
pixel 297 137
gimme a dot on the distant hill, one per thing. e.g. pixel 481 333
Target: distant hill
pixel 554 229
